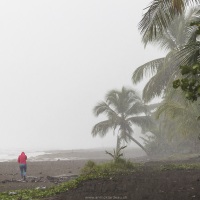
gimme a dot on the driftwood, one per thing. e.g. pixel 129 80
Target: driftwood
pixel 12 180
pixel 61 178
pixel 6 181
pixel 35 179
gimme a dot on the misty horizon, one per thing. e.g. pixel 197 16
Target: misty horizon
pixel 58 59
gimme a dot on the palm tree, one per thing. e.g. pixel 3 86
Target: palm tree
pixel 159 15
pixel 181 112
pixel 181 115
pixel 164 70
pixel 176 127
pixel 159 140
pixel 122 109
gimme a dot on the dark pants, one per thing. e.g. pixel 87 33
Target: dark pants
pixel 23 170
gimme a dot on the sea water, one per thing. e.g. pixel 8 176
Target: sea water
pixel 13 154
pixel 7 155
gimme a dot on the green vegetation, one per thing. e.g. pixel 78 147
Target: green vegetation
pixel 190 83
pixel 106 170
pixel 116 153
pixel 90 171
pixel 177 127
pixel 180 166
pixel 40 193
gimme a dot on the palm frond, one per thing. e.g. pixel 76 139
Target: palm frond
pixel 188 54
pixel 144 122
pixel 159 16
pixel 121 100
pixel 153 106
pixel 112 97
pixel 171 109
pixel 191 2
pixel 104 108
pixel 179 32
pixel 152 89
pixel 147 70
pixel 156 86
pixel 136 109
pixel 102 128
pixel 156 19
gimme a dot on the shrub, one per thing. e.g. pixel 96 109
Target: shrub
pixel 110 168
pixel 89 166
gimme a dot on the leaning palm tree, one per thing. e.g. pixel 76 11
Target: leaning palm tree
pixel 123 109
pixel 164 70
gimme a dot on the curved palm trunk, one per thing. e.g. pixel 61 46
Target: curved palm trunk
pixel 141 146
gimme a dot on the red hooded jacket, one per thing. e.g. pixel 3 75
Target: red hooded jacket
pixel 22 158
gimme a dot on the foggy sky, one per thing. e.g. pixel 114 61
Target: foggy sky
pixel 57 60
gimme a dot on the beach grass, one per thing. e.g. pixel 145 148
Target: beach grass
pixel 180 166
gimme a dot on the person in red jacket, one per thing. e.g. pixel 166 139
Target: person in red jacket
pixel 22 165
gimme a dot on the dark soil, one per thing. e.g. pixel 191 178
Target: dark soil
pixel 147 184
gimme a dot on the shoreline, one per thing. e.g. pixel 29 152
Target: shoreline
pixel 54 163
pixel 38 173
pixel 73 154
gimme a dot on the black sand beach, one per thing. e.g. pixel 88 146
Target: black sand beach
pixel 58 164
pixel 147 184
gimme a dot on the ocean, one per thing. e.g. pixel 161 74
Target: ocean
pixel 12 154
pixel 7 155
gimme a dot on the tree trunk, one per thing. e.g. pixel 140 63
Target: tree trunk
pixel 134 140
